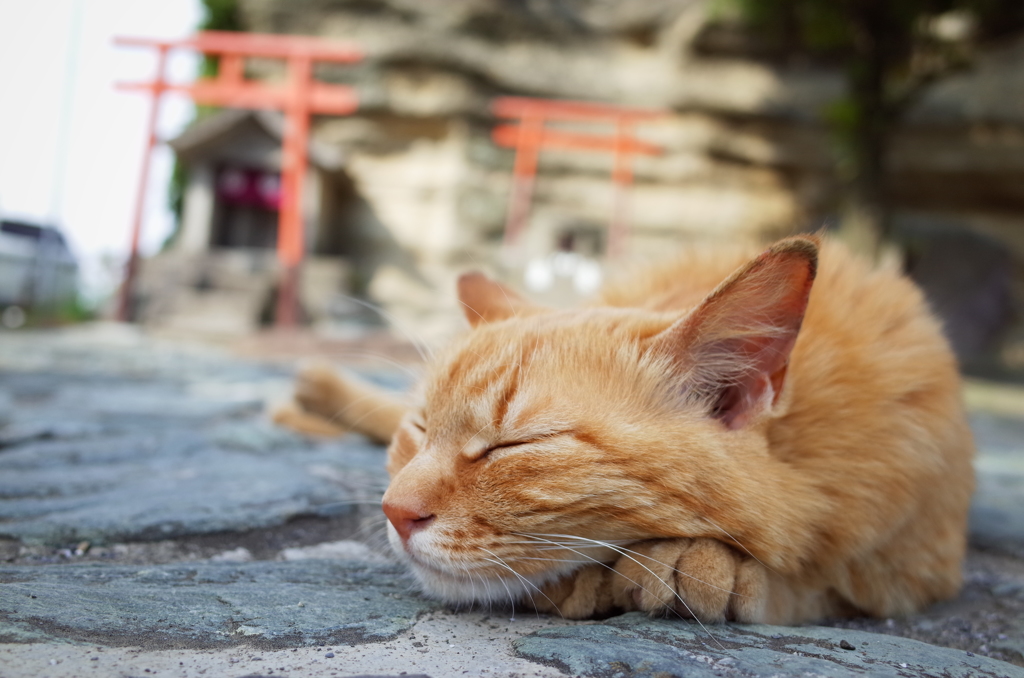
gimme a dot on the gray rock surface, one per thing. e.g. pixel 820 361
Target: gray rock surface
pixel 272 605
pixel 103 445
pixel 206 605
pixel 152 520
pixel 634 645
pixel 997 515
pixel 168 483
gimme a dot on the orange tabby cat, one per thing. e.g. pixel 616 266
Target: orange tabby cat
pixel 717 438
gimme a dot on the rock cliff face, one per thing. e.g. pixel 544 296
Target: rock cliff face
pixel 432 71
pixel 745 151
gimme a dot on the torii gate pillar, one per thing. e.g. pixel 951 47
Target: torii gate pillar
pixel 300 98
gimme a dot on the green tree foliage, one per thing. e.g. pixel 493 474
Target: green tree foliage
pixel 220 15
pixel 889 50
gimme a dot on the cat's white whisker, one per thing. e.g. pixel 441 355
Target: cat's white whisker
pixel 338 415
pixel 472 584
pixel 369 413
pixel 470 308
pixel 666 584
pixel 738 543
pixel 624 551
pixel 472 438
pixel 381 358
pixel 373 531
pixel 511 598
pixel 644 588
pixel 350 502
pixel 487 592
pixel 548 560
pixel 421 346
pixel 525 581
pixel 553 545
pixel 522 579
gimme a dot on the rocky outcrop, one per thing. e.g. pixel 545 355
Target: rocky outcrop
pixel 745 150
pixel 428 63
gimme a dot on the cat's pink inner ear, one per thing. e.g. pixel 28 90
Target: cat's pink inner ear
pixel 486 301
pixel 733 349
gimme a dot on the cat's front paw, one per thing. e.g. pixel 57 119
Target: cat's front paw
pixel 585 593
pixel 700 578
pixel 290 415
pixel 319 390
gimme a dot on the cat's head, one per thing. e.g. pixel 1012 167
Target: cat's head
pixel 546 439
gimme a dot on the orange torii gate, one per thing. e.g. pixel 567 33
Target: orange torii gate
pixel 299 98
pixel 531 135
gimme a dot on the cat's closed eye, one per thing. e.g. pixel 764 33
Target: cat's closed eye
pixel 502 446
pixel 485 452
pixel 514 443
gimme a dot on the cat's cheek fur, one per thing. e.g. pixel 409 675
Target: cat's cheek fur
pixel 469 589
pixel 403 447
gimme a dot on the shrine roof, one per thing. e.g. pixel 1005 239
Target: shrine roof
pixel 213 137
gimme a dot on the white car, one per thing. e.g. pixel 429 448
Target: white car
pixel 37 270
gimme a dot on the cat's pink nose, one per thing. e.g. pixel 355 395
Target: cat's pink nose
pixel 406 520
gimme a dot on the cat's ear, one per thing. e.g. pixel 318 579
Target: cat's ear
pixel 732 351
pixel 486 301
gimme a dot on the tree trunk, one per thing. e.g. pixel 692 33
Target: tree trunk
pixel 866 216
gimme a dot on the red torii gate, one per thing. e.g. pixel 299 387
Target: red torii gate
pixel 299 98
pixel 531 135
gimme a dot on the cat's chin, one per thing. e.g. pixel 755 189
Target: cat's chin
pixel 467 588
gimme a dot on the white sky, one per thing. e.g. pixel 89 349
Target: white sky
pixel 58 66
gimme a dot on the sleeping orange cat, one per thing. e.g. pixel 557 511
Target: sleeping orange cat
pixel 774 437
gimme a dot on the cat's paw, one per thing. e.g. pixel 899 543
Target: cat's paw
pixel 349 403
pixel 290 415
pixel 585 593
pixel 319 390
pixel 700 578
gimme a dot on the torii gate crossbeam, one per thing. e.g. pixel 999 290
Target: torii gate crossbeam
pixel 531 134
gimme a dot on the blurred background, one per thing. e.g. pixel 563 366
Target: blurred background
pixel 896 125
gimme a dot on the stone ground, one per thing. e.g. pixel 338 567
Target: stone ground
pixel 153 523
